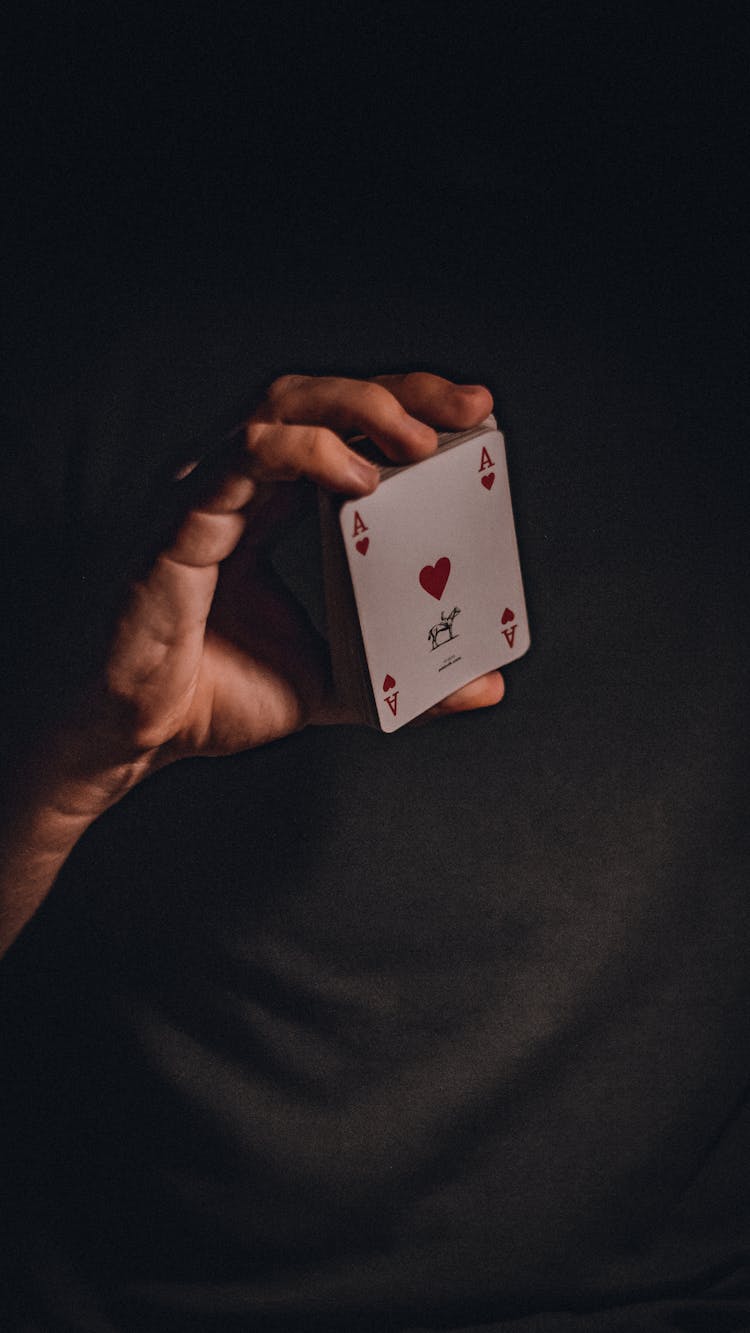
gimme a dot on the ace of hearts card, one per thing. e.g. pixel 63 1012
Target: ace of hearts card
pixel 435 575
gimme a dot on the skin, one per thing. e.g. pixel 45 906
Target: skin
pixel 209 656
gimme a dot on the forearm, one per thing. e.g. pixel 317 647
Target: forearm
pixel 58 792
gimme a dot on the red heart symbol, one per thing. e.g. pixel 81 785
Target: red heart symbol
pixel 362 545
pixel 507 615
pixel 489 481
pixel 433 578
pixel 388 683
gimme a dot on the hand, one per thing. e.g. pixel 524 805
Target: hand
pixel 210 655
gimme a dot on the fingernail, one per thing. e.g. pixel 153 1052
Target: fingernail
pixel 363 473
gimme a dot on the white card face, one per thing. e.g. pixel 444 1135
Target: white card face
pixel 436 576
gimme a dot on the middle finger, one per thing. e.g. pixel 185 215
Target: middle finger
pixel 351 407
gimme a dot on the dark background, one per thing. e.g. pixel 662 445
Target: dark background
pixel 548 198
pixel 496 149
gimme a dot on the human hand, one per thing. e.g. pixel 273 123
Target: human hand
pixel 210 656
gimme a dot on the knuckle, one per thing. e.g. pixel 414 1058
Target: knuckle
pixel 377 404
pixel 282 385
pixel 419 380
pixel 375 395
pixel 315 449
pixel 254 432
pixel 266 447
pixel 317 441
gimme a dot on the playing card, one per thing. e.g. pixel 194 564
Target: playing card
pixel 436 576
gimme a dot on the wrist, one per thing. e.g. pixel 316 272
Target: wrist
pixel 71 779
pixel 64 780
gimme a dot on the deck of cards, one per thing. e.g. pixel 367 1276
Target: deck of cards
pixel 422 580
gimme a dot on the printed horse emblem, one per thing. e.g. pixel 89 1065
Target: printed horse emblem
pixel 444 626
